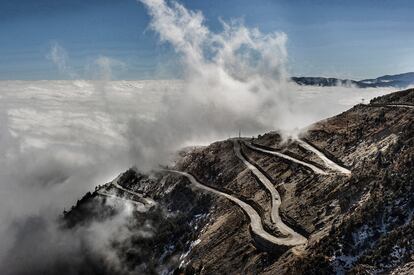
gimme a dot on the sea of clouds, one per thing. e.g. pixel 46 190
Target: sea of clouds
pixel 59 139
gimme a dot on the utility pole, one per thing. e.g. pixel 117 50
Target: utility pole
pixel 239 132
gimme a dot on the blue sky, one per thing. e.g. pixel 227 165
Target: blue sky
pixel 348 39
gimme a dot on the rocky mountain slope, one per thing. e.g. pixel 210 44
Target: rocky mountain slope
pixel 336 200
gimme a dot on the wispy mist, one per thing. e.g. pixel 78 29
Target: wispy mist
pixel 59 56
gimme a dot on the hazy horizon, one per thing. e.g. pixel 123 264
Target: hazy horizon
pixel 324 38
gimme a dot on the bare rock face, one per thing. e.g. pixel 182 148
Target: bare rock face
pixel 340 201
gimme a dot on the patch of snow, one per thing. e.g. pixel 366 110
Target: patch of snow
pixel 169 189
pixel 184 255
pixel 197 218
pixel 341 264
pixel 410 217
pixel 361 235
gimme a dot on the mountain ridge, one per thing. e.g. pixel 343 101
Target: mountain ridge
pixel 402 80
pixel 357 216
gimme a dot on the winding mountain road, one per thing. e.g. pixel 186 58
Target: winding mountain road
pixel 390 105
pixel 275 197
pixel 328 163
pixel 401 105
pixel 315 169
pixel 140 207
pixel 255 219
pixel 147 201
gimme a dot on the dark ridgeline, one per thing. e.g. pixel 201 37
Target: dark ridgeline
pixel 396 81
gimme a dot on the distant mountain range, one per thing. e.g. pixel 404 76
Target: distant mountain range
pixel 398 81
